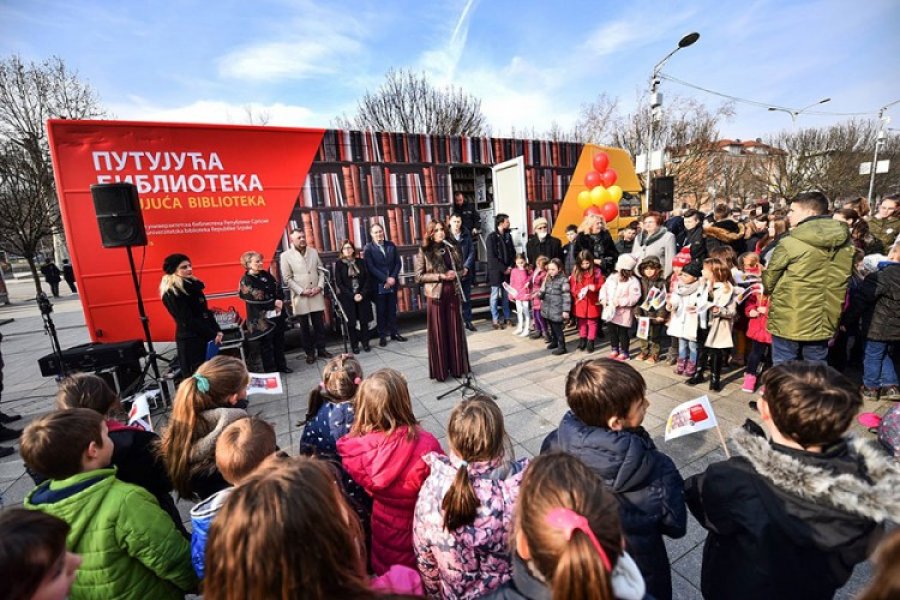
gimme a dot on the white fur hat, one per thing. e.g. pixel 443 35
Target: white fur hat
pixel 626 262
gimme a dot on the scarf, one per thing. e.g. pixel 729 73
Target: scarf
pixel 352 269
pixel 646 241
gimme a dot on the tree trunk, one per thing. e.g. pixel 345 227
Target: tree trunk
pixel 35 275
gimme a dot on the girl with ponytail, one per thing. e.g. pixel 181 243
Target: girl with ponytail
pixel 464 513
pixel 566 538
pixel 205 404
pixel 330 416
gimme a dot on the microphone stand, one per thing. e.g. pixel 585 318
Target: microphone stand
pixel 338 309
pixel 468 382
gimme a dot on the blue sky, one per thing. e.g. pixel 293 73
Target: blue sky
pixel 531 63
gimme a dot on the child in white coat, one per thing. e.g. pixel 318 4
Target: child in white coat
pixel 687 305
pixel 619 295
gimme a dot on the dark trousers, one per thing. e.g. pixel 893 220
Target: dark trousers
pixel 271 348
pixel 312 339
pixel 757 353
pixel 71 285
pixel 386 314
pixel 54 288
pixel 556 333
pixel 191 354
pixel 358 316
pixel 619 338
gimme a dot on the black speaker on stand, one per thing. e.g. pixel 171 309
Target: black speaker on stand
pixel 121 222
pixel 662 198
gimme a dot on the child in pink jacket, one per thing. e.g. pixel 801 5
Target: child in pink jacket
pixel 520 282
pixel 384 454
pixel 619 295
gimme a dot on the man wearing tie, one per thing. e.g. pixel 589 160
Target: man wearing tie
pixel 383 263
pixel 300 269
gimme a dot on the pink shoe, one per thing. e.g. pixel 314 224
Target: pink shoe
pixel 679 367
pixel 749 383
pixel 623 357
pixel 690 369
pixel 614 354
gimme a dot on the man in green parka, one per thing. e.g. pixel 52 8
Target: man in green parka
pixel 806 279
pixel 129 546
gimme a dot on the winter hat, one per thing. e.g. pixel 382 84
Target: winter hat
pixel 626 262
pixel 170 265
pixel 540 221
pixel 682 259
pixel 693 269
pixel 650 262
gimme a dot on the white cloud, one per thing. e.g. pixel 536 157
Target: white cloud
pixel 275 61
pixel 218 111
pixel 441 62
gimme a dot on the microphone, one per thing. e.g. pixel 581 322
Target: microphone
pixel 446 243
pixel 323 270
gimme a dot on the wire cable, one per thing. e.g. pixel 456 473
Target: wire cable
pixel 765 105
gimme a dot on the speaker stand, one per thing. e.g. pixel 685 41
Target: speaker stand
pixel 152 356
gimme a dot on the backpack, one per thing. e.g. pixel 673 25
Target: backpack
pixel 889 430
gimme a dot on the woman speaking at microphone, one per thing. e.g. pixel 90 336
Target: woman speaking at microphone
pixel 195 325
pixel 436 267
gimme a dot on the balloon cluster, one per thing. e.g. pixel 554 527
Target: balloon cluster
pixel 602 194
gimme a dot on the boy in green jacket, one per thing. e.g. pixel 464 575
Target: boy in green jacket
pixel 129 545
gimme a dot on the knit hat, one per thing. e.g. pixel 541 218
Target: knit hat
pixel 170 265
pixel 540 221
pixel 626 262
pixel 682 259
pixel 649 262
pixel 693 269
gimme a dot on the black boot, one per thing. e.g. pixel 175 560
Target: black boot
pixel 716 371
pixel 582 343
pixel 560 350
pixel 590 346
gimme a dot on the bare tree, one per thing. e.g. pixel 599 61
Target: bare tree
pixel 597 121
pixel 407 102
pixel 29 95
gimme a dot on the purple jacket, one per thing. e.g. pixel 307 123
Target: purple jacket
pixel 474 559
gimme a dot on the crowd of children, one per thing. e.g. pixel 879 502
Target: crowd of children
pixel 372 505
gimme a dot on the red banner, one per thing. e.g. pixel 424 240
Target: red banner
pixel 209 191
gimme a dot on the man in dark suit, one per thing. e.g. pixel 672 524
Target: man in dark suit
pixel 462 239
pixel 468 212
pixel 501 256
pixel 383 263
pixel 542 243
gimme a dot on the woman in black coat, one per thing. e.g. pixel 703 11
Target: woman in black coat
pixel 195 325
pixel 595 238
pixel 351 281
pixel 265 318
pixel 692 236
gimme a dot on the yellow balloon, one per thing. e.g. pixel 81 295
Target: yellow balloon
pixel 584 199
pixel 599 195
pixel 615 193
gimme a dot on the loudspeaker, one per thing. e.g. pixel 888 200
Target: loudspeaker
pixel 663 197
pixel 119 215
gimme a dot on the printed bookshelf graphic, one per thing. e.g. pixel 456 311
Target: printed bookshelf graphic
pixel 404 181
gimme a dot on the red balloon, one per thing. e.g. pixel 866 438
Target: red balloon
pixel 593 179
pixel 593 210
pixel 609 211
pixel 609 177
pixel 601 161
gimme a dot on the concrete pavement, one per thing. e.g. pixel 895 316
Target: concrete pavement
pixel 528 381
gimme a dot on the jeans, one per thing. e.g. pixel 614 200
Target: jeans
pixel 467 305
pixel 497 292
pixel 687 350
pixel 619 338
pixel 878 365
pixel 784 350
pixel 756 356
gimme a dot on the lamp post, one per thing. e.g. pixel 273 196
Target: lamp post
pixel 656 104
pixel 879 141
pixel 795 113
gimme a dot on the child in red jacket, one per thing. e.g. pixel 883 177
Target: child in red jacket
pixel 383 453
pixel 585 283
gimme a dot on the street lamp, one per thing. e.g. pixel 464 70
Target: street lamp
pixel 879 141
pixel 656 105
pixel 795 113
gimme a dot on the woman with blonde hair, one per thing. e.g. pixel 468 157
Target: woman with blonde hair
pixel 205 404
pixel 265 318
pixel 195 325
pixel 594 237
